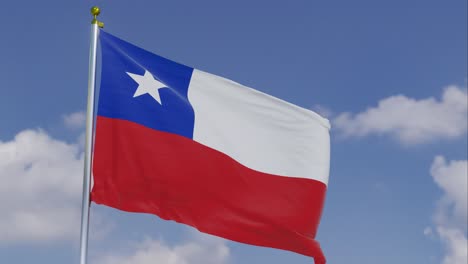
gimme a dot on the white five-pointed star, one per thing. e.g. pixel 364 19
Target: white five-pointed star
pixel 147 85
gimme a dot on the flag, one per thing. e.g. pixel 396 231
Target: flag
pixel 208 152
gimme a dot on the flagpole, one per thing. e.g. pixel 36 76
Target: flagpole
pixel 95 24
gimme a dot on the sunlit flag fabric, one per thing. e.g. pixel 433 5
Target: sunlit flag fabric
pixel 205 151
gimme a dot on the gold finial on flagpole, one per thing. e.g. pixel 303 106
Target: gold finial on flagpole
pixel 95 11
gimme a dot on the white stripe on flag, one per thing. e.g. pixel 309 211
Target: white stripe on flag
pixel 259 131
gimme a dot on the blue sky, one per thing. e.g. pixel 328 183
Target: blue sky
pixel 391 76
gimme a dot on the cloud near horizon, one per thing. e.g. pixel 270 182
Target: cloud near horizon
pixel 450 216
pixel 201 249
pixel 41 180
pixel 409 120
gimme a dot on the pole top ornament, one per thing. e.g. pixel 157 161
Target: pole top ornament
pixel 95 11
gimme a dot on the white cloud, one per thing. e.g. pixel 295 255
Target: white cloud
pixel 41 185
pixel 452 178
pixel 202 249
pixel 75 120
pixel 450 216
pixel 409 120
pixel 456 245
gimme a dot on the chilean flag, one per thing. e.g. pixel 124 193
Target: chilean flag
pixel 208 152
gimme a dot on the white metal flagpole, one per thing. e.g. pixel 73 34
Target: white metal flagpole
pixel 95 24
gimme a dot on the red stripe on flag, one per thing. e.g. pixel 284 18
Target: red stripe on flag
pixel 138 169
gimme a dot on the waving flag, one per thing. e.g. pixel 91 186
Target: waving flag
pixel 205 151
